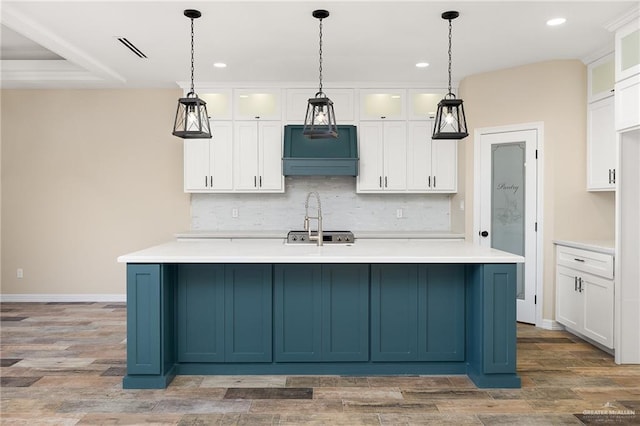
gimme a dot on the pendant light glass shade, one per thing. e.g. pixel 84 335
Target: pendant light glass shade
pixel 320 119
pixel 192 120
pixel 451 122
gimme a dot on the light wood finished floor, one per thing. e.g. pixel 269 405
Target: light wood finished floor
pixel 62 364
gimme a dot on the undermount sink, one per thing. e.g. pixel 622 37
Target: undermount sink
pixel 328 237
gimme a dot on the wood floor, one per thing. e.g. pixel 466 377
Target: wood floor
pixel 62 364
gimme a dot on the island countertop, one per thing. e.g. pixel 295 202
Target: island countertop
pixel 277 251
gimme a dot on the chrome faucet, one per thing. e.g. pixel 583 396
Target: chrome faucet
pixel 318 237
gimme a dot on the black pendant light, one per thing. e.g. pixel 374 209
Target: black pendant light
pixel 450 120
pixel 320 121
pixel 192 120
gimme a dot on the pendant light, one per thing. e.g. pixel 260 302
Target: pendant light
pixel 320 120
pixel 450 120
pixel 192 120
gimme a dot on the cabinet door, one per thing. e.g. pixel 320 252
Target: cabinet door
pixel 257 104
pixel 601 78
pixel 569 306
pixel 395 156
pixel 248 313
pixel 297 313
pixel 597 294
pixel 627 47
pixel 423 103
pixel 270 177
pixel 444 165
pixel 371 152
pixel 381 104
pixel 419 156
pixel 200 313
pixel 221 156
pixel 601 145
pixel 196 165
pixel 345 312
pixel 394 312
pixel 245 168
pixel 441 304
pixel 628 103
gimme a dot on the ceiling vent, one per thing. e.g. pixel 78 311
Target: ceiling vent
pixel 131 47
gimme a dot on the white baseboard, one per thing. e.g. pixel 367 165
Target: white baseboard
pixel 548 324
pixel 7 298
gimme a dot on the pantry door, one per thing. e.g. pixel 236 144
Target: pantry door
pixel 508 205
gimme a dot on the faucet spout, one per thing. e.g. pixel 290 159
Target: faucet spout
pixel 317 236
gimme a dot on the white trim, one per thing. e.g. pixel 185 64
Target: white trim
pixel 624 19
pixel 8 298
pixel 548 324
pixel 538 126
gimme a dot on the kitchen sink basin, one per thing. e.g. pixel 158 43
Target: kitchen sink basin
pixel 328 237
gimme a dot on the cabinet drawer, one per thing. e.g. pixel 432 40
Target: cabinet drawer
pixel 587 261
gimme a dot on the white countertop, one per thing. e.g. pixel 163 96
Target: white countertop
pixel 280 234
pixel 599 246
pixel 276 251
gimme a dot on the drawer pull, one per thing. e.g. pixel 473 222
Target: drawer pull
pixel 578 260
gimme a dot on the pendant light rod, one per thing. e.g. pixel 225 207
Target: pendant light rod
pixel 320 14
pixel 450 16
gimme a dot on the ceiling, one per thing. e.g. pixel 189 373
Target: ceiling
pixel 74 44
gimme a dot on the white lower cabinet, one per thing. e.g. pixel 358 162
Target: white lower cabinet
pixel 584 293
pixel 601 145
pixel 383 157
pixel 257 161
pixel 207 161
pixel 431 164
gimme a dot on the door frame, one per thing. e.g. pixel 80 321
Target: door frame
pixel 477 136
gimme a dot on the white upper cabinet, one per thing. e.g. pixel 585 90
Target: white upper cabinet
pixel 258 156
pixel 423 103
pixel 432 165
pixel 207 162
pixel 601 78
pixel 601 146
pixel 257 104
pixel 382 151
pixel 382 104
pixel 219 103
pixel 298 99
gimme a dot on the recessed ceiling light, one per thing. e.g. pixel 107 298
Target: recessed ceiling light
pixel 422 64
pixel 556 21
pixel 220 65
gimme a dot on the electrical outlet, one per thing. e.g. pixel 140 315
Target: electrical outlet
pixel 234 212
pixel 399 213
pixel 20 273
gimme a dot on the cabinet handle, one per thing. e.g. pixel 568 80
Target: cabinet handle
pixel 609 175
pixel 211 179
pixel 575 283
pixel 434 181
pixel 255 184
pixel 385 182
pixel 614 175
pixel 429 181
pixel 260 181
pixel 383 117
pixel 580 284
pixel 380 181
pixel 205 182
pixel 578 260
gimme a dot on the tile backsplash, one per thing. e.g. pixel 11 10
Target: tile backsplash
pixel 342 208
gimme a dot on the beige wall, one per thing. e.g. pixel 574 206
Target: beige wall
pixel 87 175
pixel 554 93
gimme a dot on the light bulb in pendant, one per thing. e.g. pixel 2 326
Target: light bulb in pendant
pixel 321 117
pixel 449 117
pixel 192 119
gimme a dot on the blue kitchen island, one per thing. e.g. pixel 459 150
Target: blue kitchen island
pixel 375 307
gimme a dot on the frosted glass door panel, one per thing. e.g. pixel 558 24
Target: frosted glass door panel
pixel 508 202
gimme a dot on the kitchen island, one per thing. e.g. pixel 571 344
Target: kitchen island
pixel 261 306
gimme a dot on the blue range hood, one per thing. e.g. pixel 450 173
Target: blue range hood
pixel 320 157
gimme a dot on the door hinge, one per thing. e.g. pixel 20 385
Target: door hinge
pixel 536 154
pixel 535 299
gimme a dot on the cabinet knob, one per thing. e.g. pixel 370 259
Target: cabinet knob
pixel 484 234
